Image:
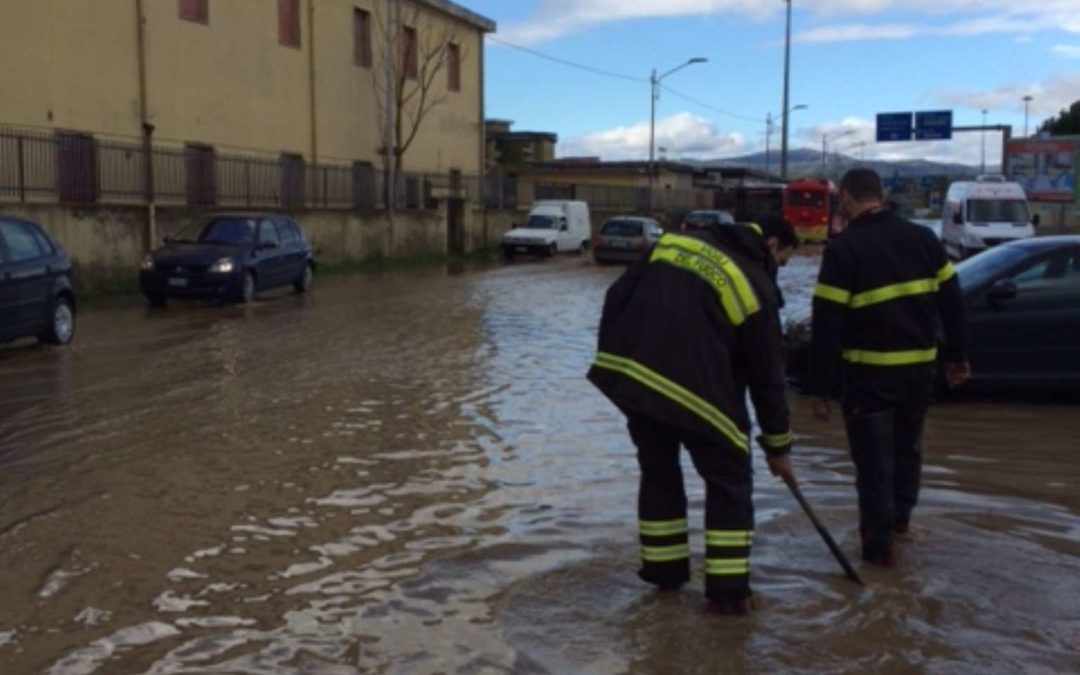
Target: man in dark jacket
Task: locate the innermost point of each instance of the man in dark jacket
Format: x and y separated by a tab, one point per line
684	332
885	290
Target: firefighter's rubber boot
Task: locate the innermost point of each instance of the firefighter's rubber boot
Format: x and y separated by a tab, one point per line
732	605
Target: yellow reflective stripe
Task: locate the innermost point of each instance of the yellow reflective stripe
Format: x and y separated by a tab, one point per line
665	553
756	228
707	272
729	538
662	528
727	566
837	295
778	440
894	291
945	273
744	291
890	358
676	393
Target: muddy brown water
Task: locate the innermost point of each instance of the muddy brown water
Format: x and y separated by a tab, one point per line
408	473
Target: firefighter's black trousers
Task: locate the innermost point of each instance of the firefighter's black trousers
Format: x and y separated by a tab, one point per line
884	408
663	525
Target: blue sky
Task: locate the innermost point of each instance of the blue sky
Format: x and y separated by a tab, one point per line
850	60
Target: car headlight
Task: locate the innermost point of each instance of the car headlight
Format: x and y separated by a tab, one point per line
147	263
223	266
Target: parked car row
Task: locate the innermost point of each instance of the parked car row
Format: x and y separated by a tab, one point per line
224	257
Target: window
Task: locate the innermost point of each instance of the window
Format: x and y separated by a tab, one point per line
268	234
21	242
997	211
410	52
453	67
806	199
229	230
201	187
77	168
289	22
287	230
43	240
1051	277
195	10
362	38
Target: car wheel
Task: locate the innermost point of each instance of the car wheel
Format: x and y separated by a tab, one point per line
553	250
61	328
584	248
156	300
247	288
307	278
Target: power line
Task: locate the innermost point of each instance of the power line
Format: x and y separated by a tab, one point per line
707	106
571	64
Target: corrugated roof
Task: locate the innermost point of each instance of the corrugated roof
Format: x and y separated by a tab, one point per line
453	9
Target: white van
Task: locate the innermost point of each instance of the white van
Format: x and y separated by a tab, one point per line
552	226
983	213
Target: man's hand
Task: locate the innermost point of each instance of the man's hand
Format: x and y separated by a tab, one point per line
957	374
822	409
780	466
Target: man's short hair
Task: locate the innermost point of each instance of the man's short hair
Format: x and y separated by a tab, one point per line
775	226
863	185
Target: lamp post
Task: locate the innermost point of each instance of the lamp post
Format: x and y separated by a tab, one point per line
982	164
825	138
787	83
768	132
1027	102
654	85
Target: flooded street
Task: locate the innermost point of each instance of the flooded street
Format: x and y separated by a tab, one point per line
409	473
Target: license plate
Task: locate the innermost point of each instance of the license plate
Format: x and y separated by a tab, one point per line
177	283
621	243
521	249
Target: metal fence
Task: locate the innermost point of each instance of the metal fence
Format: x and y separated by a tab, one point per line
80	169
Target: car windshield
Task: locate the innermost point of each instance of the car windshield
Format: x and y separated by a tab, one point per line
541	223
622	228
230	231
703	219
806	199
997	211
976	271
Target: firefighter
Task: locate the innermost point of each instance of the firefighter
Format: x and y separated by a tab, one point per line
883	291
684	332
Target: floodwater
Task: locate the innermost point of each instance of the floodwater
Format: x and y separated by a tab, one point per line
408	473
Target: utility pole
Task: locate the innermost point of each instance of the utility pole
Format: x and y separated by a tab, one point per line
653	82
787	81
768	137
1027	101
390	136
982	170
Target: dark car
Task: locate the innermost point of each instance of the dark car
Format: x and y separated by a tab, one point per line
1022	301
625	238
36	296
229	257
704	218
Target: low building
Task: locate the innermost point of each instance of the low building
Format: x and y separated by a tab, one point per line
507	149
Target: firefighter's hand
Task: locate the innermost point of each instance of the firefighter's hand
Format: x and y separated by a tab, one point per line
780	466
822	409
957	374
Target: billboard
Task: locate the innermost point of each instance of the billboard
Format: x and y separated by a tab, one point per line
1047	168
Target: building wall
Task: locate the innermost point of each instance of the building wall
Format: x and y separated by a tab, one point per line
73	64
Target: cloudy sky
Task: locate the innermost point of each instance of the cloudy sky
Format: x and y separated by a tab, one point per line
851	59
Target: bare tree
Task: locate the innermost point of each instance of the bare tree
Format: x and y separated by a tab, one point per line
419	45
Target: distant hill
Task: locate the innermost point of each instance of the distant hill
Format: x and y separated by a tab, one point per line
807	162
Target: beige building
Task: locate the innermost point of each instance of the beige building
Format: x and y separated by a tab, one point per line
508	149
296	81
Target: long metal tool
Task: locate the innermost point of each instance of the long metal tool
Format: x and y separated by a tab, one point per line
837	553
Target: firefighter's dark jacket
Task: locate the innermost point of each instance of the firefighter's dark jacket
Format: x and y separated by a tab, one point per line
885	291
688	328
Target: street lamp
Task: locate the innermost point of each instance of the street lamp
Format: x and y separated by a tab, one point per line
983	163
654	83
787	82
1027	101
825	138
768	132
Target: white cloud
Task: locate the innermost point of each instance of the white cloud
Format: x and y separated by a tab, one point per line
683	136
1048	97
1066	51
556	18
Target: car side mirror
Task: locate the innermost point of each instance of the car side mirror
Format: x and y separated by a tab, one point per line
1035	220
1002	291
958	218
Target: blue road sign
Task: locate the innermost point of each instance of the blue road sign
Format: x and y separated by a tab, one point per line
893	127
933	125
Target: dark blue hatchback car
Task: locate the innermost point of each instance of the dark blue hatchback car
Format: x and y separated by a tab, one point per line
36	291
229	257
